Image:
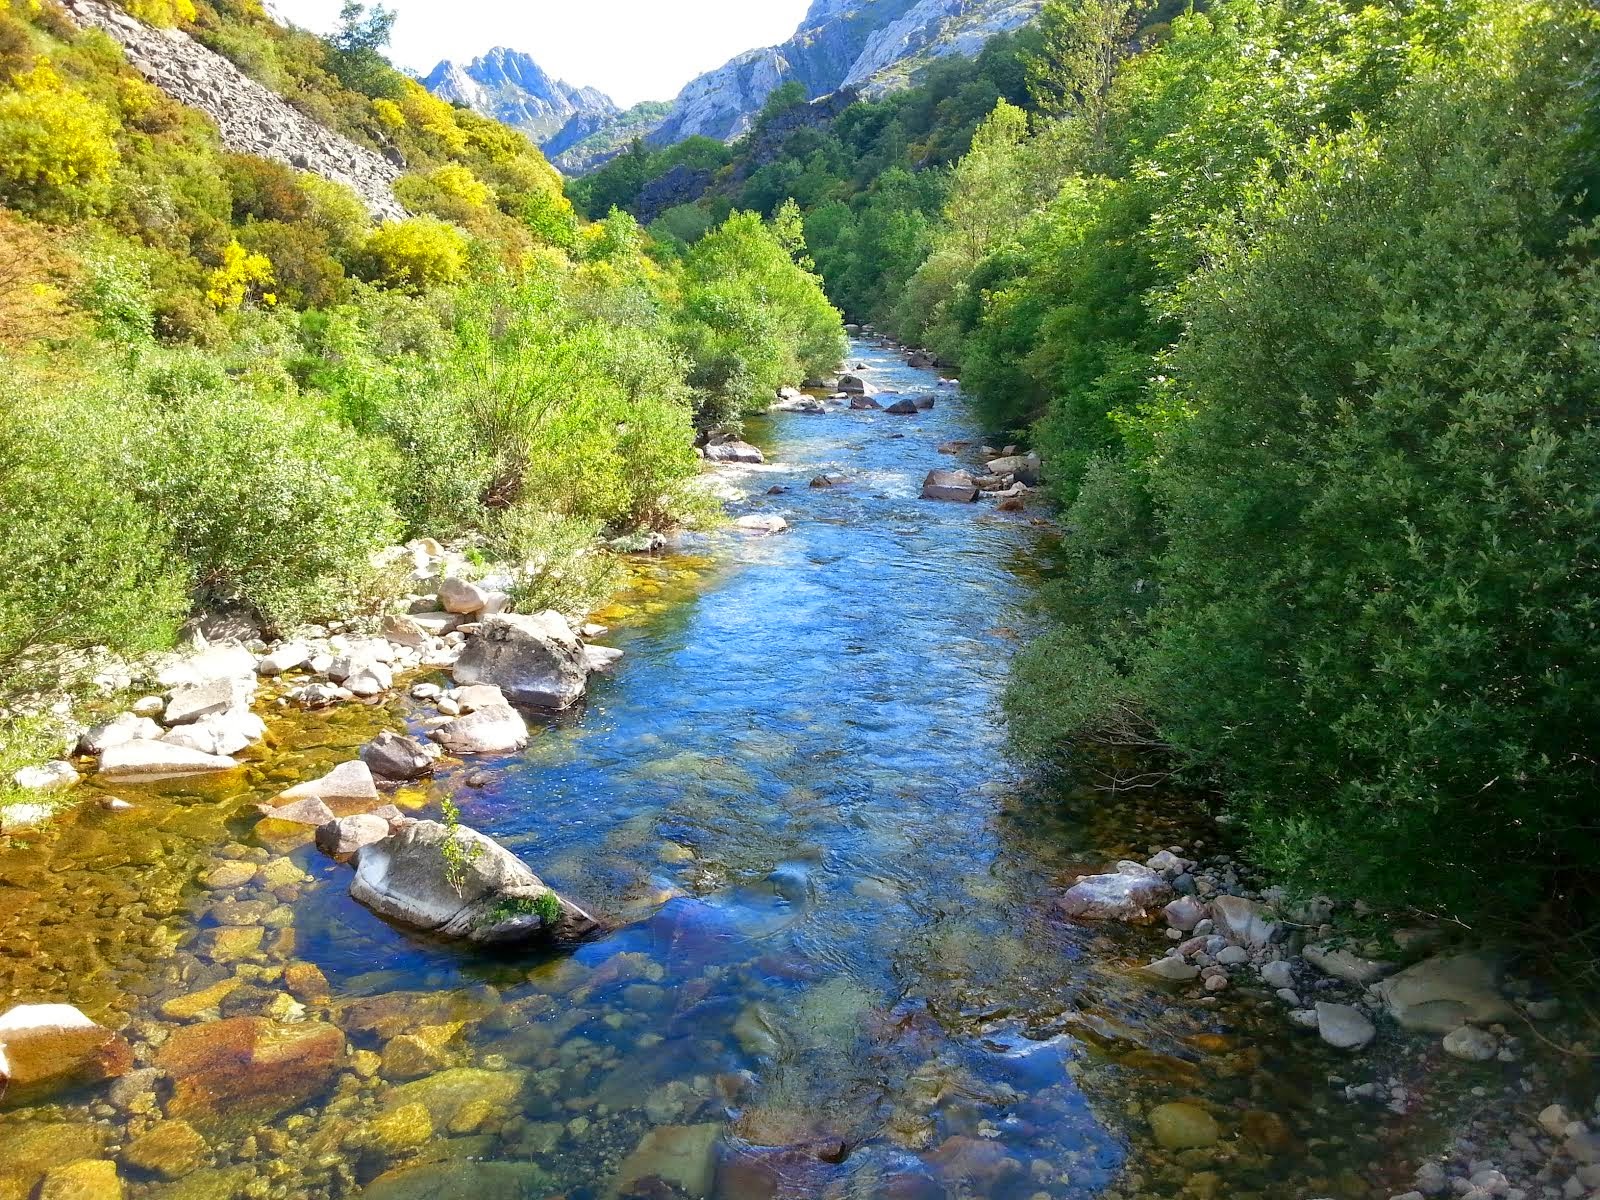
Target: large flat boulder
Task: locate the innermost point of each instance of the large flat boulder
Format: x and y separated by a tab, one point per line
45	1048
347	789
1441	994
475	890
958	486
242	1070
1130	893
733	452
535	660
496	729
146	761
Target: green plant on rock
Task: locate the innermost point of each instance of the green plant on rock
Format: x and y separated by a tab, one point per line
458	853
546	906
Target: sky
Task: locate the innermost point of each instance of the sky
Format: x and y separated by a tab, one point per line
630	49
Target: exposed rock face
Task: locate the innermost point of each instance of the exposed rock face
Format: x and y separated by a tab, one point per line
251	119
535	660
510	87
404	878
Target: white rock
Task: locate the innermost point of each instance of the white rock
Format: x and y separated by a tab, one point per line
1233	956
371	679
758	524
149	706
290	656
1174	970
1134	894
128	727
1438	995
473	697
534	659
1278	974
1244	921
602	659
1342	964
1344	1027
1554	1120
223	661
1471	1044
51	777
347	788
498	729
196	701
224	734
459	596
143	760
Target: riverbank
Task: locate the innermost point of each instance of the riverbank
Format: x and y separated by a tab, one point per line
836	960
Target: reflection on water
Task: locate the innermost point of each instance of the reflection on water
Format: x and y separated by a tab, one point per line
837	971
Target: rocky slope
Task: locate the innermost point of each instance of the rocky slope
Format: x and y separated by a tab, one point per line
510	86
251	119
870	45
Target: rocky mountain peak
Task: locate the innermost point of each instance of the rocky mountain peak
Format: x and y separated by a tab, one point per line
510	86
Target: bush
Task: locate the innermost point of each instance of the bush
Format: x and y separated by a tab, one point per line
415	255
560	565
56	147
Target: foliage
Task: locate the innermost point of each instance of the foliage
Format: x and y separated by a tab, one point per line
458	853
558	564
162	13
416	254
241	274
56	147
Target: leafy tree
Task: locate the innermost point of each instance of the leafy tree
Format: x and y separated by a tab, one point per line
356	48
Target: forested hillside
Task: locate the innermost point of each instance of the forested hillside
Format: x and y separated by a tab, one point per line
225	385
1298	301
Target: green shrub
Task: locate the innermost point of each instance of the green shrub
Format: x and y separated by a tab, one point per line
415	255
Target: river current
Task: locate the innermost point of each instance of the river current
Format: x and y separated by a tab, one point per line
838	968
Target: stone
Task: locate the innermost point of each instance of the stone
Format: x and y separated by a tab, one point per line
237	1072
1184	913
46	1048
148	706
194	1005
444	1095
397	1131
198	700
51	777
1277	974
1471	1044
1232	956
289	656
733	452
396	757
759	524
1181	1126
306	982
681	1155
438	624
1132	893
403	878
222	734
209	665
343	837
128	727
90	1179
311	811
1244	921
1344	1027
498	729
144	761
171	1150
468	1180
854	385
535	660
369	679
347	789
902	408
232	944
229	874
956	486
925	402
1440	994
864	404
478	695
1554	1120
602	659
403	630
1174	970
458	596
1342	964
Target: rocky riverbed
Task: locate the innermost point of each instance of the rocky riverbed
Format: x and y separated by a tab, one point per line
841	946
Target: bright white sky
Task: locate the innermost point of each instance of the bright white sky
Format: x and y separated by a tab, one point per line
630	49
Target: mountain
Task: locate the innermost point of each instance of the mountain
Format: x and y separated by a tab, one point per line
509	86
867	45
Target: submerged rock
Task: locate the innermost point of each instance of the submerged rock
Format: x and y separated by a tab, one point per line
49	1047
535	660
759	523
1181	1126
243	1069
681	1155
1344	1027
495	898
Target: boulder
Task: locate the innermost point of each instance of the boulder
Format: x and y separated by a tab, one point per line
459	596
682	1156
924	402
1173	970
209	665
864	404
45	1048
438	624
760	524
1185	913
224	734
854	385
1471	1044
1438	995
1244	921
920	359
51	777
1025	467
535	660
134	762
1342	964
394	756
601	659
347	789
171	1150
903	408
495	900
129	727
310	811
195	701
1344	1027
498	729
957	486
478	695
290	656
1181	1126
369	679
1131	893
733	452
343	837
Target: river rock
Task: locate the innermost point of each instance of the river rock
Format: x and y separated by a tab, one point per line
498	729
473	1180
404	878
1173	970
223	734
958	486
51	777
369	679
760	524
535	660
47	1047
1185	913
450	1095
171	1150
1342	964
347	789
140	761
1131	893
128	727
1244	921
289	656
478	695
198	700
864	404
89	1179
458	596
396	757
854	385
438	624
1181	1126
239	1071
343	837
903	408
925	402
220	662
1277	975
1438	995
1471	1044
601	659
680	1155
1344	1027
733	452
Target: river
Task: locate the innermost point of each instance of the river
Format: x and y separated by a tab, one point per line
838	968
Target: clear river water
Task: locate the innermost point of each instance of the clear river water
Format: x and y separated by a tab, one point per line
837	969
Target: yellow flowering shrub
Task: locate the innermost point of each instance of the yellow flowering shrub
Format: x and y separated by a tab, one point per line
432	115
459	183
55	142
389	114
240	275
161	13
417	254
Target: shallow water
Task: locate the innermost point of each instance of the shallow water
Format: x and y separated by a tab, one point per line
837	968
